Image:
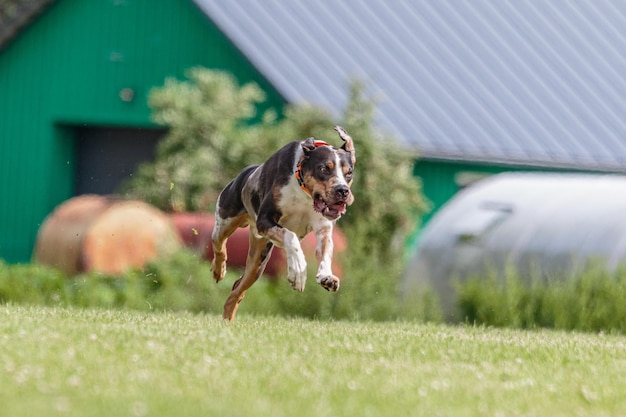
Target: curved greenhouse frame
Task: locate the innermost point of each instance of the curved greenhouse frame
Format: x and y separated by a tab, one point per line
537	223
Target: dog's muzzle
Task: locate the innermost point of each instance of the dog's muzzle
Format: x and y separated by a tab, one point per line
336	206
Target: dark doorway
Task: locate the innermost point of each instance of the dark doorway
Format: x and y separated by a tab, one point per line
107	156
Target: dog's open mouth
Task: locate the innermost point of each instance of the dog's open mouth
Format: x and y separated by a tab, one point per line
330	211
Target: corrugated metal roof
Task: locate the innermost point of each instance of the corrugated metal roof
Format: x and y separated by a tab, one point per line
522	82
15	14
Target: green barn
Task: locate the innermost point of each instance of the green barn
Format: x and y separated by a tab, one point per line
74	77
475	88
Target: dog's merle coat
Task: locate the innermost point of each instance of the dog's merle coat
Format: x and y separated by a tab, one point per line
303	187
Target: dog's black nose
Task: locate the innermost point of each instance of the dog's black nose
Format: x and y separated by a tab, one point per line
342	191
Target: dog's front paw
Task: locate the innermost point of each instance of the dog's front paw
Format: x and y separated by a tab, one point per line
329	282
296	264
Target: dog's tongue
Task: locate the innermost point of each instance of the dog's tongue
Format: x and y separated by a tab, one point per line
339	207
329	210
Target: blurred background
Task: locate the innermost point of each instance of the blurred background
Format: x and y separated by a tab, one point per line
160	102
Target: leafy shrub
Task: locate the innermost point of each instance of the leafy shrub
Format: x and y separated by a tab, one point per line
389	199
210	140
205	145
180	282
368	292
34	284
595	300
184	282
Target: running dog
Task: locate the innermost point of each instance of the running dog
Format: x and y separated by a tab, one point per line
303	187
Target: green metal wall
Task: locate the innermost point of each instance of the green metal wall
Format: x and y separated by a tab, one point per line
67	70
439	179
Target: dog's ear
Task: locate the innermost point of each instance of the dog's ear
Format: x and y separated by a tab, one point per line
308	146
348	145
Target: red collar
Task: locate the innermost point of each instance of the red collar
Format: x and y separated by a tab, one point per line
299	175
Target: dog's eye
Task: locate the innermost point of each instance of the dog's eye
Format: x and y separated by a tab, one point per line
324	170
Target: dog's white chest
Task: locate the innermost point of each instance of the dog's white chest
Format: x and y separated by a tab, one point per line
297	210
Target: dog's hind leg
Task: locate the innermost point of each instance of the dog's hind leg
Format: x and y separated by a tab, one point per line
258	255
229	215
224	227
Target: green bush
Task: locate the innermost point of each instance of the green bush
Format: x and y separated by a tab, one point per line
180	282
205	144
368	292
594	300
32	284
211	139
184	282
389	200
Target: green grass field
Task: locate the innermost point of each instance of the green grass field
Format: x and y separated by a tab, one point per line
73	362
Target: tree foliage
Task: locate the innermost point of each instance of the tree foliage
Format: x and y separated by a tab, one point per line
212	136
205	145
389	198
